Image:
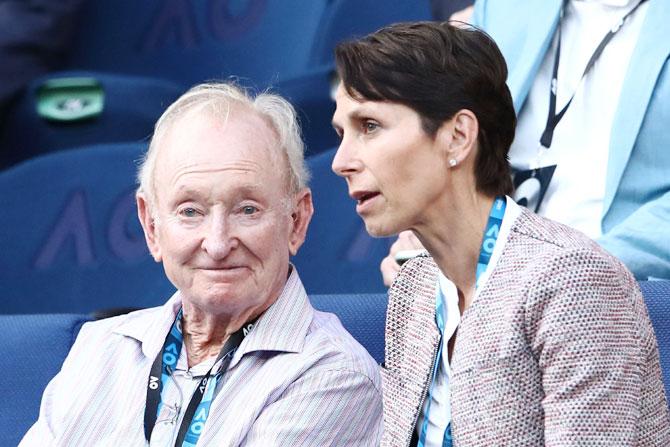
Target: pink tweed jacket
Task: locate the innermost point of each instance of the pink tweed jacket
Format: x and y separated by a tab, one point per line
556	350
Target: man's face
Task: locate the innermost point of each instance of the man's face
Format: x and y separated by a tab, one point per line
225	221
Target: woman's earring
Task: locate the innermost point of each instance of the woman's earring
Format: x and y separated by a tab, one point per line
453	162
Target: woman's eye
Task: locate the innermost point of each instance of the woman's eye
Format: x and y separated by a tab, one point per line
370	126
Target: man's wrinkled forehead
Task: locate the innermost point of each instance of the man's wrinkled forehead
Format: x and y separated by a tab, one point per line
240	129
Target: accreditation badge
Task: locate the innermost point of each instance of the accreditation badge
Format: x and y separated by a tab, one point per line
530	186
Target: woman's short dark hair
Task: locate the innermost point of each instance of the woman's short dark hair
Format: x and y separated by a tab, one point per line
437	69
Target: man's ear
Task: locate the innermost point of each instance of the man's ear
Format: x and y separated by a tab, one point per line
301	215
458	137
148	225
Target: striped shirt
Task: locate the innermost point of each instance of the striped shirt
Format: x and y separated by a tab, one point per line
298	379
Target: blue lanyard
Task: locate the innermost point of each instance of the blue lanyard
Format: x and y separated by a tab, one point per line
488	244
198	408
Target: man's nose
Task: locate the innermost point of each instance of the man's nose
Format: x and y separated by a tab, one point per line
219	240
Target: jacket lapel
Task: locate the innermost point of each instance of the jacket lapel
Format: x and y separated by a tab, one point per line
543	18
646	63
412	338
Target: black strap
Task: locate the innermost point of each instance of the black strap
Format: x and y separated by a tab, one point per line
552	118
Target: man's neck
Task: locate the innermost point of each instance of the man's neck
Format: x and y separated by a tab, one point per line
205	333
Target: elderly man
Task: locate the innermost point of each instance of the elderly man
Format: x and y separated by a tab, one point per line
237	356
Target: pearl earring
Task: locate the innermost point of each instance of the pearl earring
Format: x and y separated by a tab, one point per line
453	162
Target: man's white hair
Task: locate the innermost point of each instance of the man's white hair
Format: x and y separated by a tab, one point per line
217	98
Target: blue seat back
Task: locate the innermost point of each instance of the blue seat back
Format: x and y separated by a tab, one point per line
657	297
72	241
195	40
310	89
33	350
364	316
338	256
346	19
310	95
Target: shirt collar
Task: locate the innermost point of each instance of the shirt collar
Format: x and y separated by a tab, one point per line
282	327
150	326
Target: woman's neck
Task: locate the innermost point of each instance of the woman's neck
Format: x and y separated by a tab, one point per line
453	237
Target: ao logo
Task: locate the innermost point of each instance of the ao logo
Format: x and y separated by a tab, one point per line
190	23
198	424
170	355
203	385
247	329
73	228
153	382
490	240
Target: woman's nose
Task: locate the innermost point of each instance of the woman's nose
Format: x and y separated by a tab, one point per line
344	162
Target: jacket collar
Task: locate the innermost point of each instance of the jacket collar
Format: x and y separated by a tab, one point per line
282	327
543	20
646	64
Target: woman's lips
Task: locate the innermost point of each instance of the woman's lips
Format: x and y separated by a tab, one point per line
364	200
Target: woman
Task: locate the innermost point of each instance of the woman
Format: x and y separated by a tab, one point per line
515	330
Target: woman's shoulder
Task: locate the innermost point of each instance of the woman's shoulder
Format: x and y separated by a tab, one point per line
539	245
562	271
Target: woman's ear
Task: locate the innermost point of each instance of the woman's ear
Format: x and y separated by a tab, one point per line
458	137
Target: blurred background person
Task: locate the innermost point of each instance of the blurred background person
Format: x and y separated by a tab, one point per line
35	37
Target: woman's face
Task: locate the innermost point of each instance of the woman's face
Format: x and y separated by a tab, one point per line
394	170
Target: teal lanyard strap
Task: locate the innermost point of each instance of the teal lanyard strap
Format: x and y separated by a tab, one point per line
489	240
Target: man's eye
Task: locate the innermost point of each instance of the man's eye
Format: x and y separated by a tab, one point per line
189	212
248	209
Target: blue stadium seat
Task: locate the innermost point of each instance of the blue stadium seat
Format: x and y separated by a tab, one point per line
657	297
345	19
193	41
364	316
310	94
130	107
338	256
70	240
33	350
310	89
